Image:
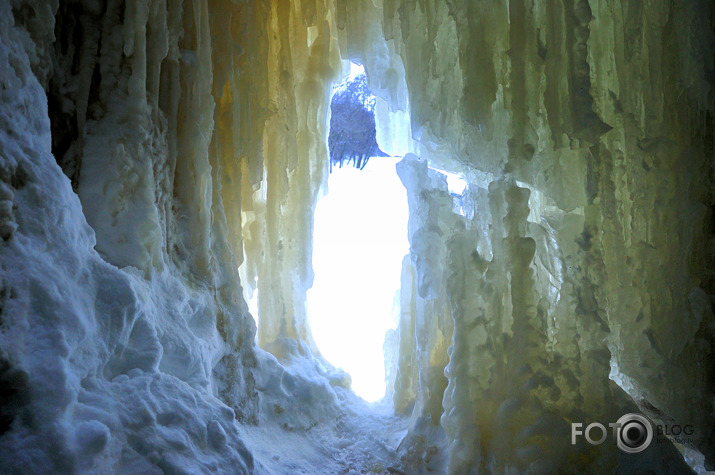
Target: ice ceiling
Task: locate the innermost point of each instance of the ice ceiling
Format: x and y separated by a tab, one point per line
148	148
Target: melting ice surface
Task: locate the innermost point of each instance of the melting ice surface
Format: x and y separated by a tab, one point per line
360	238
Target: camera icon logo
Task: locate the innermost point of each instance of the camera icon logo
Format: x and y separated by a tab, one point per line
634	433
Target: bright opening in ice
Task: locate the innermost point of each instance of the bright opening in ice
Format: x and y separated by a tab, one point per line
360	238
356	70
455	183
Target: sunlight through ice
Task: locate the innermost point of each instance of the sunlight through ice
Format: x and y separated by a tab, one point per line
360	238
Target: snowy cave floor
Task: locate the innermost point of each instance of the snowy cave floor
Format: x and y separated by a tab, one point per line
310	423
363	438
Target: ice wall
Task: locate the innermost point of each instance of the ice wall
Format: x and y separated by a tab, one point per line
225	107
303	60
186	131
104	368
492	367
590	259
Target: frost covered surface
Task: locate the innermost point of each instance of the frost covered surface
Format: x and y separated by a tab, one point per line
126	344
109	369
592	255
159	162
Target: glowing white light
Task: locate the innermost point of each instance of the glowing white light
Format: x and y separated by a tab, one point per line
253	306
356	70
360	237
455	183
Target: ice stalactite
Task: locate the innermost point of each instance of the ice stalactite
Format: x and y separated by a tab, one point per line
603	111
226	126
126	338
421	381
303	60
492	366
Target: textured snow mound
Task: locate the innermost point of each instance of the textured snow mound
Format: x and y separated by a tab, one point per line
107	369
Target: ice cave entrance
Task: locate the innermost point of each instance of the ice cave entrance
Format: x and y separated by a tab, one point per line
359	240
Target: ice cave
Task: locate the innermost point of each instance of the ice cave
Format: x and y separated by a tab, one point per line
161	169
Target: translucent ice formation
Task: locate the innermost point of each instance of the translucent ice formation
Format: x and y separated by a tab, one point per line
160	161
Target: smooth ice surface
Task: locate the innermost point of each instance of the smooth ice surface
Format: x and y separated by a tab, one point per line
359	241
